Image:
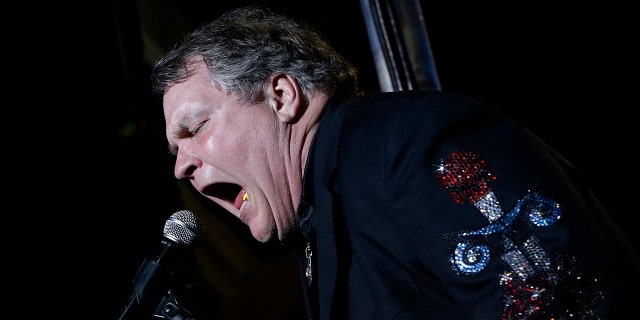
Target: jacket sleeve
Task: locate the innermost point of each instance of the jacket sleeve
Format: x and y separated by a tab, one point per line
487	221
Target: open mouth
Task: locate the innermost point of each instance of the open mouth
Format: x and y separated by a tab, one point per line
229	192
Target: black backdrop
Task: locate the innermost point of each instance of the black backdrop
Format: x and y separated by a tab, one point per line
565	71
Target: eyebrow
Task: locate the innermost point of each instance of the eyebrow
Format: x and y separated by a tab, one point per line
181	128
173	149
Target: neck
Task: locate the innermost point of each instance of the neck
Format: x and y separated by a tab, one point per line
302	136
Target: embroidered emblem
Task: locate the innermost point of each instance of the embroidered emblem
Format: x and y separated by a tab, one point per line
466	176
562	293
535	285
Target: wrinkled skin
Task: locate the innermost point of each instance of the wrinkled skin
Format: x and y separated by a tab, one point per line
225	148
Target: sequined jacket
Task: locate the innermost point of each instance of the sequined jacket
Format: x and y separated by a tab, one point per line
430	205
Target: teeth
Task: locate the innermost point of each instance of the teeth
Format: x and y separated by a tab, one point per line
245	197
241	199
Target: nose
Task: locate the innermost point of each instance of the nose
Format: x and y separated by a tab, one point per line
186	165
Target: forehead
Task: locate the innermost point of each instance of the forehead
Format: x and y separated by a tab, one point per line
189	96
189	88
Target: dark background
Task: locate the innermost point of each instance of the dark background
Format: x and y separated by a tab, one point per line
100	165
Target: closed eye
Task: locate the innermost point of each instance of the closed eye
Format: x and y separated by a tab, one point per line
197	128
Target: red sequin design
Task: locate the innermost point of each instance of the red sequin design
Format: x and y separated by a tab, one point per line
558	293
563	294
465	175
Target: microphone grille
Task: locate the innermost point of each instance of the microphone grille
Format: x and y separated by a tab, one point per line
183	227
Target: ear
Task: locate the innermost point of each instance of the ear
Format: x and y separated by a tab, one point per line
285	98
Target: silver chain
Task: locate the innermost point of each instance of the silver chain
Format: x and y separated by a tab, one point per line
307	273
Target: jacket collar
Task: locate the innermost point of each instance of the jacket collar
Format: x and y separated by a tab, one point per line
315	213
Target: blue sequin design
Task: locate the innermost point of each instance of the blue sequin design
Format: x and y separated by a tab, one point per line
469	256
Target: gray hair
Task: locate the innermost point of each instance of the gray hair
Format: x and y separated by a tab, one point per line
245	47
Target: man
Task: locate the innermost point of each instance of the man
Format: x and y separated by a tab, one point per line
405	205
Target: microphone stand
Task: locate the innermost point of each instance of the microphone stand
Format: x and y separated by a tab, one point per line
169	308
146	285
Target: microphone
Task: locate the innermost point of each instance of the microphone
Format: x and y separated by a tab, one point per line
151	285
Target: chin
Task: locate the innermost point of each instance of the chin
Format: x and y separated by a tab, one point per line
261	234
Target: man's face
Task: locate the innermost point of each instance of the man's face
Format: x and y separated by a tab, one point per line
234	154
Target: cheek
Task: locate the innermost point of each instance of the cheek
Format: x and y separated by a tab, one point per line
244	137
227	144
217	136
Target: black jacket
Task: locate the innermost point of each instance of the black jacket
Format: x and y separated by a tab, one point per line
430	205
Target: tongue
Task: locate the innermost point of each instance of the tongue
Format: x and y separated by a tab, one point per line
238	202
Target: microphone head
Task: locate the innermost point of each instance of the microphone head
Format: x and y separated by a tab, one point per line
183	227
